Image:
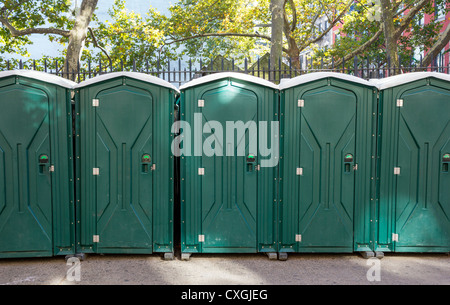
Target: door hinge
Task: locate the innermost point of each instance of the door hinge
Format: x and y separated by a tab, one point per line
399	103
298	238
396	170
95	103
299	171
394	237
96	171
301	103
201	171
96	239
201	103
51	168
201	238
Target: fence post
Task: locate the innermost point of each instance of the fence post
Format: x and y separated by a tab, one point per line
78	68
290	67
389	65
179	72
258	66
168	70
157	67
306	63
279	69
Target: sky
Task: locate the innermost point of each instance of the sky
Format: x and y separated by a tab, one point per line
42	46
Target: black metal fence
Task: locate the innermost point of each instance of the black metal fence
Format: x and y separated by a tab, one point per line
182	71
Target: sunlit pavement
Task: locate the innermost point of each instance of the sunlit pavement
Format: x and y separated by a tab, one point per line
221	269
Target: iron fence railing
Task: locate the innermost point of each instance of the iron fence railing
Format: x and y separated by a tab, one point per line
182	71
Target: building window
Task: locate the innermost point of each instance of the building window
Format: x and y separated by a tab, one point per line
439	10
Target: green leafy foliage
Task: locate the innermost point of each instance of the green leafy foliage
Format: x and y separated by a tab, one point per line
26	14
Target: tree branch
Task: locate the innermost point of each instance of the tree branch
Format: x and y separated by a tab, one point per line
16	33
294	13
94	40
220	35
409	17
441	42
361	48
330	27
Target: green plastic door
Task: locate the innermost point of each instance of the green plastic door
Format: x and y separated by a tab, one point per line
124	157
326	169
422	212
25	179
229	184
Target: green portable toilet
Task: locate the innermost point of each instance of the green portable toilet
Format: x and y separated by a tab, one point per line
328	126
414	157
36	165
228	197
125	165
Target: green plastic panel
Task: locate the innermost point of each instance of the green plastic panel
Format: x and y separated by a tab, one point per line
415	204
36	205
327	167
233	205
128	206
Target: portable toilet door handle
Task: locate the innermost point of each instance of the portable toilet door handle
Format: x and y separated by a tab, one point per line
445	162
251	163
43	162
145	164
348	161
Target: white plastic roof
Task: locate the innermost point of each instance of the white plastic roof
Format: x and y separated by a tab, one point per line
41	76
310	77
235	75
401	79
135	75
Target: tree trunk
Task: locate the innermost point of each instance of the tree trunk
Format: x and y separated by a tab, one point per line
294	55
389	34
77	38
440	44
276	48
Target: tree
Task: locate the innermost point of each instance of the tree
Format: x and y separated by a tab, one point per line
395	36
388	26
128	39
21	18
78	35
276	47
206	28
238	27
